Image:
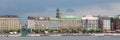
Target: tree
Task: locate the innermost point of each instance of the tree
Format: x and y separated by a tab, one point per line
18	30
83	30
11	30
60	30
91	30
42	30
75	30
35	30
64	30
67	30
98	30
51	30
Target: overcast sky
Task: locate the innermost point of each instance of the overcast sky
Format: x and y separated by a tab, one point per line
24	8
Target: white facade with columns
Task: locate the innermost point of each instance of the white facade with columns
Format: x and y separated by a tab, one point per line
89	22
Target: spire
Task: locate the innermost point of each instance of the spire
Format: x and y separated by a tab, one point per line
57	13
57	10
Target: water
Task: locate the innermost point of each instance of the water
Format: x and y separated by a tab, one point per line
63	38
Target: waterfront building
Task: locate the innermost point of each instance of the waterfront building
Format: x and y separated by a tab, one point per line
9	22
54	23
89	21
106	24
100	22
38	22
116	23
69	22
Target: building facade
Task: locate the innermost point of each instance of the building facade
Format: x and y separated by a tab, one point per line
54	23
116	23
89	22
38	22
100	22
106	24
69	22
9	22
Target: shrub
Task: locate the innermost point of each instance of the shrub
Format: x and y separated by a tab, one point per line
92	30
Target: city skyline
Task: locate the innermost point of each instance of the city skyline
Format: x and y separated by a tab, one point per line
25	8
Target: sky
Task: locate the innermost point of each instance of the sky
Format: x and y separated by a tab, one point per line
25	8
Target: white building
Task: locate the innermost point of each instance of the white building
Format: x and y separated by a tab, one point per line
89	22
106	24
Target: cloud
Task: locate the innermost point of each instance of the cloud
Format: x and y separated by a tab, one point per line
110	10
25	8
50	12
70	10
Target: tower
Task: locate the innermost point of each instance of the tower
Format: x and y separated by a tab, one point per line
57	13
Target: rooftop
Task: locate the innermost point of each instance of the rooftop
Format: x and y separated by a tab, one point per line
54	19
66	18
69	17
8	16
38	17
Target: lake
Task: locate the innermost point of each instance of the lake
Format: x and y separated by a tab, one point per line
63	38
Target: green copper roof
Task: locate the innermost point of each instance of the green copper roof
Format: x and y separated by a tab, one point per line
68	17
54	19
65	18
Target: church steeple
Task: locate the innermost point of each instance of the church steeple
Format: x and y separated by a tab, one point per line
57	13
57	10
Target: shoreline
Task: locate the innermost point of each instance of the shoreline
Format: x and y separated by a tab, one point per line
40	35
94	34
